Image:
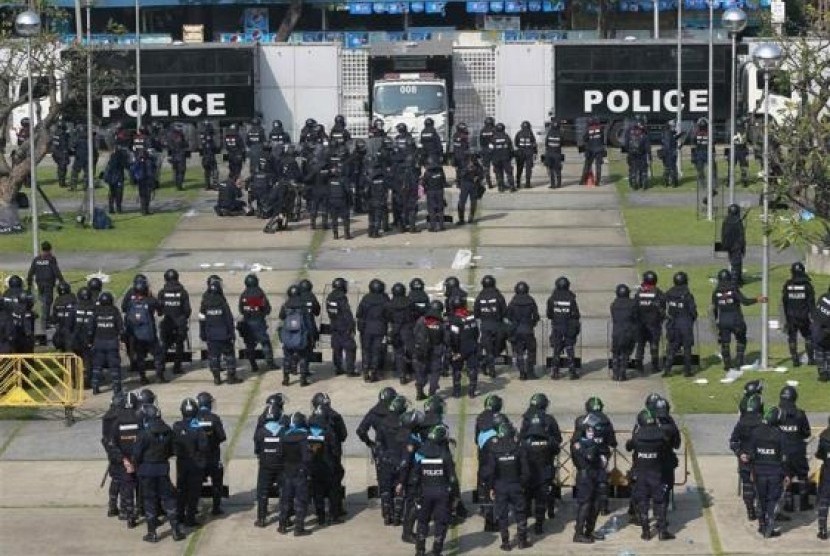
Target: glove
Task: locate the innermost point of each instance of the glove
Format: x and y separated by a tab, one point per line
371	444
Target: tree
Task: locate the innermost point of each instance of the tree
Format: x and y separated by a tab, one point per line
800	142
59	74
603	9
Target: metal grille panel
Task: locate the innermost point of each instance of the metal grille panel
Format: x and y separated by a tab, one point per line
474	86
354	80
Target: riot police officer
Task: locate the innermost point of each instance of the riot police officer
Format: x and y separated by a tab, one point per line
340	202
553	153
216	329
650	446
486	431
401	318
342	323
418	298
118	440
463	346
485	138
727	300
254	140
141	330
501	154
700	155
81	320
63	312
208	149
434	183
681	313
563	313
295	457
259	186
470	174
177	152
434	480
191	448
296	335
638	149
795	431
387	455
143	174
742	157
540	438
765	455
505	472
522	318
651	312
491	309
373	421
267	437
45	273
590	454
59	147
378	185
405	195
593	144
429	340
624	326
751	388
798	298
460	145
318	195
175	312
254	308
213	427
105	329
234	145
823	492
526	151
667	153
733	241
821	336
372	325
431	144
739	443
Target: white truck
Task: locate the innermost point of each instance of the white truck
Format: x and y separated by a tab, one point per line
411	98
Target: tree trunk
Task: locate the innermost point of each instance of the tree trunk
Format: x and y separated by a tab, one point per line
289	20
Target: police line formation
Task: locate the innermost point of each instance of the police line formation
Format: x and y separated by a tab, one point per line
429	338
383	176
300	461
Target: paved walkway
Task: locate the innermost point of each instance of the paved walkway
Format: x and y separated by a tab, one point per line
49	474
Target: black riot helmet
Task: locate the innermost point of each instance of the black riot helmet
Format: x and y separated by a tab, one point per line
360	146
205	400
724	276
118	400
320	399
189	408
797	270
339	120
147	397
214	278
753	387
429	122
754	404
623	291
84	294
500	127
506	430
680	279
16	282
398	405
340	284
521	288
412	419
255	121
94	284
171	275
436	308
461	126
651	400
298	420
105	299
386	395
398	290
733	210
594	403
215	286
305	286
416	284
772	417
434	404
293	291
275	400
488	281
494	403
539	401
526	125
650	277
489	121
251	281
276	124
562	283
64	288
378	124
645	418
377	286
451	283
401	127
438	434
310	122
788	394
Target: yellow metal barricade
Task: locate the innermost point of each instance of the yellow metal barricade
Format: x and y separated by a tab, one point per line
42	380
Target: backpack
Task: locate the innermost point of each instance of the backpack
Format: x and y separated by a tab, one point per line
140	321
101	220
295	331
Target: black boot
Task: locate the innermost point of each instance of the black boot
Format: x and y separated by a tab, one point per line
254	366
822	532
523	542
460	217
646	534
261	512
151	535
420	546
178	531
112	510
664	535
581	518
804	498
438	545
505	541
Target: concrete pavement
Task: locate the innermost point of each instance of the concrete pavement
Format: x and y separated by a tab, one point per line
49	474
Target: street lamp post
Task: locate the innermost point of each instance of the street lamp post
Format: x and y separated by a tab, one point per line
656	18
767	56
733	19
139	102
90	178
27	25
710	124
679	120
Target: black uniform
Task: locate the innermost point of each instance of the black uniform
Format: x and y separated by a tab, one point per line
700	156
296	359
152	451
590	455
638	149
625	324
485	137
733	241
211	424
295	456
823	492
105	329
795	431
767	456
651	312
798	299
267	437
45	273
177	149
229	200
460	147
59	147
377	186
726	305
340	202
216	329
318	202
175	311
821	336
254	140
526	150
470	175
434	480
668	155
63	312
119	439
522	317
506	472
540	439
501	154
429	334
463	344
373	326
191	448
434	183
563	313
401	317
594	144
681	314
342	323
142	335
650	446
554	156
143	174
81	345
491	310
235	147
208	149
739	443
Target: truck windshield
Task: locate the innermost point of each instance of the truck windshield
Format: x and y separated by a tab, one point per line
395	98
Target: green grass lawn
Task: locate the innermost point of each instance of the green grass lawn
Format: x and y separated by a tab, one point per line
714	397
688	181
656	226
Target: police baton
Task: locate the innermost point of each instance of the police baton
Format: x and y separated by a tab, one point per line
104	478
